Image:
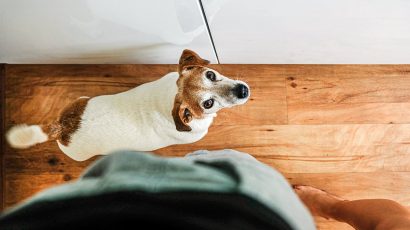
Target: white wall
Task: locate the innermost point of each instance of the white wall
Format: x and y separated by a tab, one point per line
101	31
244	31
313	31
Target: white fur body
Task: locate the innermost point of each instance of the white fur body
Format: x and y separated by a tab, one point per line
138	119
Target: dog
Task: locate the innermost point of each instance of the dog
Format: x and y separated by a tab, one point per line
175	109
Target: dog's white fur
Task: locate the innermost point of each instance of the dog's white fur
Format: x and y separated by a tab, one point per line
136	119
139	118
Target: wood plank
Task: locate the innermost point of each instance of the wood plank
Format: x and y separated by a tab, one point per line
338	89
289	148
314	148
267	104
364	96
363	113
2	131
44	158
22	185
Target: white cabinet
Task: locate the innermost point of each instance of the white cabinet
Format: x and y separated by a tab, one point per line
243	31
101	31
315	31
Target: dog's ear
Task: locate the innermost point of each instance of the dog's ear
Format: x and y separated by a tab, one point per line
182	115
189	57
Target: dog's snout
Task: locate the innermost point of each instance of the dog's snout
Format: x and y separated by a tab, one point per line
241	91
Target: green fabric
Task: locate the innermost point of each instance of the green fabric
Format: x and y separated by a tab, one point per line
198	171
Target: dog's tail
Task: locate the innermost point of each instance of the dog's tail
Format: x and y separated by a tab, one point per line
24	136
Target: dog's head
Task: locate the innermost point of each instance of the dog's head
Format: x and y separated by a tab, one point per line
203	91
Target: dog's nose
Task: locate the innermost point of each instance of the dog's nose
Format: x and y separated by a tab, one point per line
241	91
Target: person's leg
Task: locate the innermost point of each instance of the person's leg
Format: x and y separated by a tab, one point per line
375	214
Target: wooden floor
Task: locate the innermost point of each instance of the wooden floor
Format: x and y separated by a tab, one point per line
342	128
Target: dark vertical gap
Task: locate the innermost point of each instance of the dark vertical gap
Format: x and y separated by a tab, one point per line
2	132
209	30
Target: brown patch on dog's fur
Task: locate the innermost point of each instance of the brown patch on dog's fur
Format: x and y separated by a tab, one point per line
189	57
189	83
52	130
68	122
186	105
190	87
181	115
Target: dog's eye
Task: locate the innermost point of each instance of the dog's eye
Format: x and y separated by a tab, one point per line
211	75
208	103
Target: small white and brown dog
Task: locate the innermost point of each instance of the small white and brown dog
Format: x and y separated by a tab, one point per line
175	109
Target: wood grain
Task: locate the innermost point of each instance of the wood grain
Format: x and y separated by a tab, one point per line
2	128
355	113
289	148
355	97
341	128
29	184
267	91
